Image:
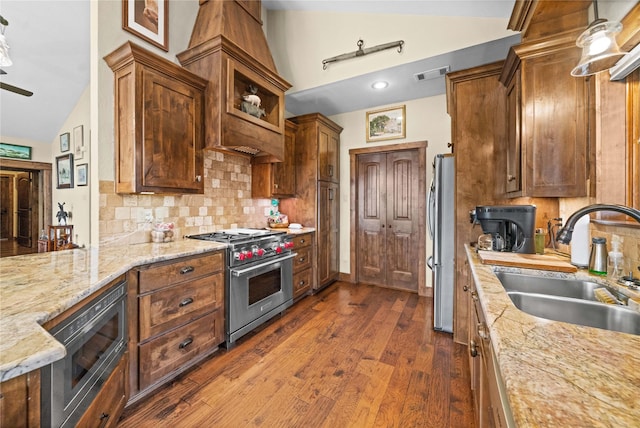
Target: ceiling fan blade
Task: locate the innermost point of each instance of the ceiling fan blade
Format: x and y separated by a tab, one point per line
15	89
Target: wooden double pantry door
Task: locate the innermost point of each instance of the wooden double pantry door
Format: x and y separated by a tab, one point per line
390	225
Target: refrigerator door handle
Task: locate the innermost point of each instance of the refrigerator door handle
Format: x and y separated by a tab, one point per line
430	262
431	207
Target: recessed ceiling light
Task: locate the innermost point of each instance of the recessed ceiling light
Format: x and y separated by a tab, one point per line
379	84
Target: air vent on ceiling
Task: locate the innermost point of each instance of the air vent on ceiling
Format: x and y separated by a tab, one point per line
431	74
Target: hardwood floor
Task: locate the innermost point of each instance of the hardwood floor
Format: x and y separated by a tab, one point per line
350	356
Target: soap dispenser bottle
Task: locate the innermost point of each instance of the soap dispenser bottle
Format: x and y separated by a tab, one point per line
615	266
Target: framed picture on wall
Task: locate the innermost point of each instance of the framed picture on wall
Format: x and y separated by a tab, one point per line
78	142
15	151
386	124
82	173
147	19
64	171
64	142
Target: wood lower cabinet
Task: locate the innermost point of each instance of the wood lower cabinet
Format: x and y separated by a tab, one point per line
317	191
302	265
158	123
278	179
176	311
20	401
109	404
489	402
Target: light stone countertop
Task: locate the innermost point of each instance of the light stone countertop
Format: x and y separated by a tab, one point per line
558	374
35	288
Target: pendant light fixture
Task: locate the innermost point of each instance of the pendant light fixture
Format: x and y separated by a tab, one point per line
600	49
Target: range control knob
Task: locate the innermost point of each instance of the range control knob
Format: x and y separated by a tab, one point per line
288	245
278	249
258	251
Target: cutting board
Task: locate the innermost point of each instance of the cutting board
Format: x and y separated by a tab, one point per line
528	261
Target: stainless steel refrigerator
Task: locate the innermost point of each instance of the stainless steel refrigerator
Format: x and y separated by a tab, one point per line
441	215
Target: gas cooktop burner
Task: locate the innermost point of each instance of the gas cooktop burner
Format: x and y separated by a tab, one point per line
232	235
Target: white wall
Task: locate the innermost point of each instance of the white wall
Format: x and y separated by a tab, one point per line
76	199
426	119
300	40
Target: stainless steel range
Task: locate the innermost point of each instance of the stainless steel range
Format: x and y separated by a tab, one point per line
259	282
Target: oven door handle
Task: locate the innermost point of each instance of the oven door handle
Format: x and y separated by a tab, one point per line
240	272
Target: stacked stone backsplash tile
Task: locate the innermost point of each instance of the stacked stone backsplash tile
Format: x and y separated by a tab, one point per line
226	203
630	246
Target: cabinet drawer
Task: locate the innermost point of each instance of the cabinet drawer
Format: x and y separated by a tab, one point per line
166	353
300	241
302	282
302	260
159	275
106	408
173	306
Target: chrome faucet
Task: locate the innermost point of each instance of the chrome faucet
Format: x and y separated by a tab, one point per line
564	234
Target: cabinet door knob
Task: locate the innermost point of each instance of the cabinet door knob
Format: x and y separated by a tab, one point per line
473	349
511	177
198	178
465	288
330	170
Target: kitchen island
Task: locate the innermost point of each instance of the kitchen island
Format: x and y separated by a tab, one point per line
556	374
36	288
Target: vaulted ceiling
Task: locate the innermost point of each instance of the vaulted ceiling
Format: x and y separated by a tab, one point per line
49	46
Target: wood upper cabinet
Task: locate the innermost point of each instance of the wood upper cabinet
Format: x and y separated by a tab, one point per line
547	129
276	179
158	123
328	155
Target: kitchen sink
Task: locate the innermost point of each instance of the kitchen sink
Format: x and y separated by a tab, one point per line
574	288
567	300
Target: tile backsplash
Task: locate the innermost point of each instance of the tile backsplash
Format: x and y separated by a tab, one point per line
630	245
226	203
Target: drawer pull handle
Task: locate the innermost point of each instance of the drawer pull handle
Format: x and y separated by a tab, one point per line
185	302
301	241
187	269
301	259
188	341
301	283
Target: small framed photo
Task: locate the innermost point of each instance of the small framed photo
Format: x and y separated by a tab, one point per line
78	142
64	171
386	124
14	151
147	19
81	174
64	142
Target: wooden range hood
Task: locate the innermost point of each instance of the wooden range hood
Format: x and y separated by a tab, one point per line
230	50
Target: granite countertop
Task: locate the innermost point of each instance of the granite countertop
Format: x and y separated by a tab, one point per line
35	288
558	374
